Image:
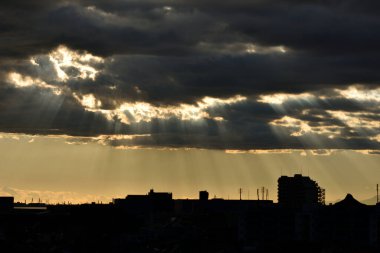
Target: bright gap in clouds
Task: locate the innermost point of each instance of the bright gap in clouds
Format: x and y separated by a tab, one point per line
304	106
240	48
280	98
353	92
20	81
141	111
63	58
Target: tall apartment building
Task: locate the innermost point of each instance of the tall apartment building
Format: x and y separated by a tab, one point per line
298	191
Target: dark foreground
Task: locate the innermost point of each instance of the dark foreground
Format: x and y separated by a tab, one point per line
192	226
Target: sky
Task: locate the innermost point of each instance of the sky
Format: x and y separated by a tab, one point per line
100	98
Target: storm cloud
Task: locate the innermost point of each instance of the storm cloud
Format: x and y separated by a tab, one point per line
200	74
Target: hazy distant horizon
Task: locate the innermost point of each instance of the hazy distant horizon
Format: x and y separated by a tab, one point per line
55	169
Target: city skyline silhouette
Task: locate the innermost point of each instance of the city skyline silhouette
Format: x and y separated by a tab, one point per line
300	221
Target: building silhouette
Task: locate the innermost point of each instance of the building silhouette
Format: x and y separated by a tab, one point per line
298	191
203	195
155	222
6	203
153	201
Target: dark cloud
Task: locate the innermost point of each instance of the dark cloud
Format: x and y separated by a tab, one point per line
36	111
246	124
148	27
170	53
163	78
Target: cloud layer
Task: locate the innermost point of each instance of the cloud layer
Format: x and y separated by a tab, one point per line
201	74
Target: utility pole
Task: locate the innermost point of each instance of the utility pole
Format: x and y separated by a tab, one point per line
377	193
240	192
